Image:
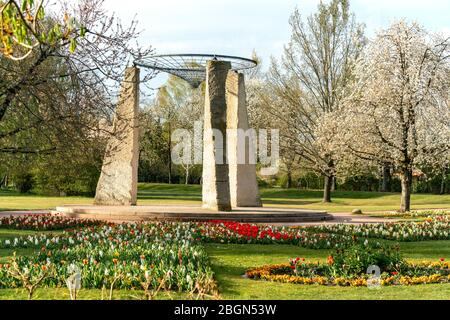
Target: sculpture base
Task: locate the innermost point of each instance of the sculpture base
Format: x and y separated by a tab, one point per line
192	213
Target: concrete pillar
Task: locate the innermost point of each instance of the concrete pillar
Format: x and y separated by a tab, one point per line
242	142
216	187
118	180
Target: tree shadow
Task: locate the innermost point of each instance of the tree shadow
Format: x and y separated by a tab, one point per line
290	202
318	194
168	196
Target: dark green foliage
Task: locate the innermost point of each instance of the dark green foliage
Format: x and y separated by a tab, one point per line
23	182
73	173
356	259
361	183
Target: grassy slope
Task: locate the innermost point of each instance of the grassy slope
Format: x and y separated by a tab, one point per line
231	261
180	194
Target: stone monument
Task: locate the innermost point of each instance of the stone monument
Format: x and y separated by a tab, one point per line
216	184
229	172
229	175
117	185
244	190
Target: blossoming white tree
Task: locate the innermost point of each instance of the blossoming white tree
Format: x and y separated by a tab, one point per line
397	113
311	81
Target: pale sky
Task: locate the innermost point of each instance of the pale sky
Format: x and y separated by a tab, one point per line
236	27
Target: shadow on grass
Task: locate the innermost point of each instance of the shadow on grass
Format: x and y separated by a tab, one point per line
289	202
318	194
168	196
170	187
9	193
225	278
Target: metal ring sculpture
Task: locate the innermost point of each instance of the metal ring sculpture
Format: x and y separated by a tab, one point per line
191	67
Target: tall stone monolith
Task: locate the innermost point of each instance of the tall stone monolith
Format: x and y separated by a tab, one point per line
241	146
117	185
216	187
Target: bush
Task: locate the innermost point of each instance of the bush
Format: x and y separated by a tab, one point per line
56	177
23	182
262	183
356	259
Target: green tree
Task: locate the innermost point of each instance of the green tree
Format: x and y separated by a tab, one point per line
55	102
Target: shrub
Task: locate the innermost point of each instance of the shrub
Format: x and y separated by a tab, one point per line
23	182
356	259
265	183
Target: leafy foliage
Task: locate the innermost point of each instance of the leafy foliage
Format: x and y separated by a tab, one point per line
23	27
356	259
23	181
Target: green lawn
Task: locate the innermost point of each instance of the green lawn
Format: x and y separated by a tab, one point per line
63	294
180	194
230	262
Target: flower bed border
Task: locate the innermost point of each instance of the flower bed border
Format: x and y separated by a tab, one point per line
266	273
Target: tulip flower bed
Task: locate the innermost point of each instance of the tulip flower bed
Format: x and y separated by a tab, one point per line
243	233
348	268
44	222
416	214
433	228
209	232
282	273
126	255
170	256
113	234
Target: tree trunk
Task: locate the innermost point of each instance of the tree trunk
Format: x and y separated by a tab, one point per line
170	153
289	179
187	175
443	181
327	189
406	190
386	182
334	184
3	183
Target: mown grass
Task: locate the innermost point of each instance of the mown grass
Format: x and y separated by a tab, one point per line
231	261
97	294
164	194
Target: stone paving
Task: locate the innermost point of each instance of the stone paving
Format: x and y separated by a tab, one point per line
192	213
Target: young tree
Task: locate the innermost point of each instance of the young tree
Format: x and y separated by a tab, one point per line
312	79
190	114
60	71
179	106
55	86
154	150
397	114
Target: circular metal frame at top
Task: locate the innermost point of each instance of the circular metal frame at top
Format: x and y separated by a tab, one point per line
191	67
